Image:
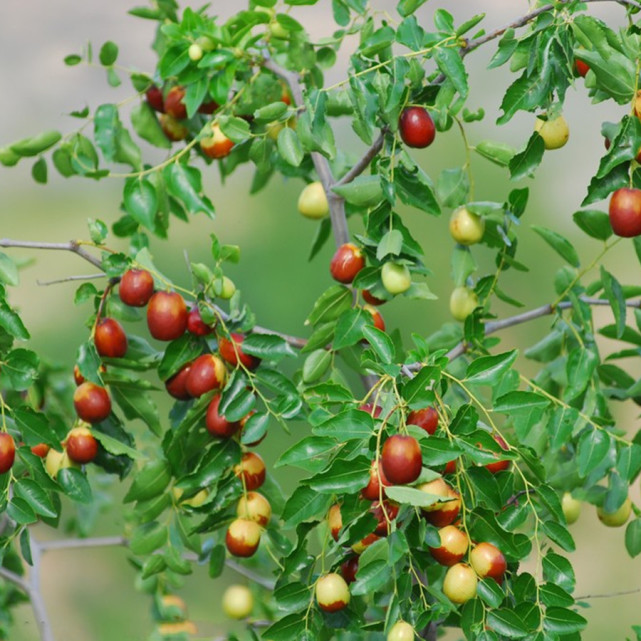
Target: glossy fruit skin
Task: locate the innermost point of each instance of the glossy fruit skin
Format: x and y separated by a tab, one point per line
402	459
453	547
232	356
377	317
488	561
581	67
217	145
195	52
372	491
208	107
312	202
380	511
425	418
92	402
167	316
136	287
416	127
335	521
332	593
255	507
206	373
218	425
7	452
238	602
173	128
176	386
41	450
374	412
571	508
81	445
196	325
460	583
625	212
243	537
555	132
463	301
349	569
174	105
396	278
401	631
252	469
616	518
445	512
502	464
347	261
368	297
363	544
110	338
466	228
155	98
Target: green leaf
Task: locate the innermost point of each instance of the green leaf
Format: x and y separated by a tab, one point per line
305	504
36	145
75	485
507	623
363	191
289	147
450	63
347	425
342	476
592	449
496	152
21	367
453	187
141	201
21	512
490	592
316	364
412	496
408	7
581	365
561	245
39	171
563	621
525	162
148	537
108	54
558	570
390	244
310	454
633	537
614	293
349	328
148	482
146	125
8	270
31	492
137	404
488	370
11	322
185	184
559	535
380	342
177	354
267	346
594	223
236	129
414	188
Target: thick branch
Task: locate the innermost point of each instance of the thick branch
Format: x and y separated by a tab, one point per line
72	246
18	581
321	164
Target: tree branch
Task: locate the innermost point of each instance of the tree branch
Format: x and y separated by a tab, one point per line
364	162
66	279
72	246
17	580
321	164
68	544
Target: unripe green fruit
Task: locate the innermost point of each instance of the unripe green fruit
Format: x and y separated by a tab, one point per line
571	508
401	631
312	202
195	52
555	132
396	278
238	602
228	288
616	518
466	228
463	302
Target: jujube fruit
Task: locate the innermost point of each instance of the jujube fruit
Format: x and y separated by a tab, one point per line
416	127
110	338
216	423
81	445
235	354
347	261
167	316
402	459
206	373
332	593
7	452
136	287
92	402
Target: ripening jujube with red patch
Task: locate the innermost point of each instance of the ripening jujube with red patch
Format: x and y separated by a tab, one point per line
251	470
174	105
347	261
136	287
335	521
231	349
176	385
377	317
196	325
426	418
255	507
110	338
488	561
402	459
92	402
502	464
332	593
206	373
81	446
41	450
7	452
375	488
453	547
166	316
243	537
349	568
446	510
384	513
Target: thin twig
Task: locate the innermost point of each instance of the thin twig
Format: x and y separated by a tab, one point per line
66	279
364	162
97	542
607	596
18	581
35	594
72	246
250	574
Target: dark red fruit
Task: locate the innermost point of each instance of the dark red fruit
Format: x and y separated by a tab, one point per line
41	450
136	287
233	355
176	385
501	464
349	569
427	418
196	325
402	459
252	470
155	99
110	338
581	67
81	445
207	373
92	402
167	316
383	513
346	263
377	317
375	412
174	105
218	425
208	107
416	127
625	212
7	452
372	491
243	537
79	378
368	297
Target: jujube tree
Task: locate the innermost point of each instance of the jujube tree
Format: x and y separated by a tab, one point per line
434	467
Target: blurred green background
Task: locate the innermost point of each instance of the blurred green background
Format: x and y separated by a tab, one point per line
90	594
